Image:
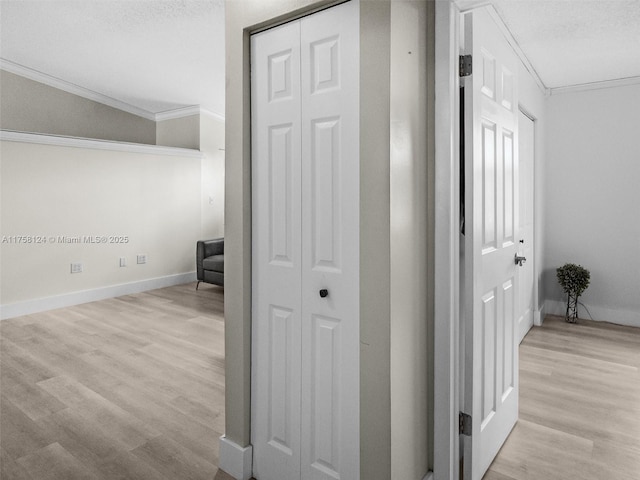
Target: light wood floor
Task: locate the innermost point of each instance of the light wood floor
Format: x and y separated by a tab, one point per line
579	405
125	388
133	388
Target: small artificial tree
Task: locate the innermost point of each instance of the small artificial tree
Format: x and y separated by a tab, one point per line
574	280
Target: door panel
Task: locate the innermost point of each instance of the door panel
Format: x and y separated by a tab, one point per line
326	236
325	392
276	252
490	276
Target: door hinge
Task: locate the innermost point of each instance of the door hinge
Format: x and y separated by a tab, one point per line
465	65
464	424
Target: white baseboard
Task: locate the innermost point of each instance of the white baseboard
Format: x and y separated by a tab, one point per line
619	317
538	316
236	460
76	298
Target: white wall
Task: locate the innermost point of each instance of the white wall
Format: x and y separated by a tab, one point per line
206	133
592	193
54	191
212	173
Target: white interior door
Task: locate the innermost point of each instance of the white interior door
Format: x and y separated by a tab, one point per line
305	161
491	341
526	133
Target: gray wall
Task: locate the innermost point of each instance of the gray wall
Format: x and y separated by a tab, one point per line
411	256
181	132
29	106
592	195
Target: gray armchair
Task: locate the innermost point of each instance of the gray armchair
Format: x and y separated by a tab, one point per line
210	261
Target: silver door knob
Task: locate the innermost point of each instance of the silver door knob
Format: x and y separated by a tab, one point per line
520	260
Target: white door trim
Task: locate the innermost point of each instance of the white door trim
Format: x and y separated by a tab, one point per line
536	125
447	245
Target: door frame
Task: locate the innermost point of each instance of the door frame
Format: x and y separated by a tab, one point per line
446	448
536	125
447	328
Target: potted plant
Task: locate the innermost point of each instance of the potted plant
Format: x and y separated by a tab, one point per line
574	280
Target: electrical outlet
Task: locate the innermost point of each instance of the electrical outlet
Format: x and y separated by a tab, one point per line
123	262
76	268
142	259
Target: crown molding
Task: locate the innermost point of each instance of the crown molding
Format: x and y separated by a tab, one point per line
72	88
516	48
469	5
187	112
582	87
95	144
177	113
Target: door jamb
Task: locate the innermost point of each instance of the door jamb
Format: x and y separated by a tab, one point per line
447	261
536	124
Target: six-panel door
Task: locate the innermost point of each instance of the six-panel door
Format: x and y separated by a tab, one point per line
491	366
305	186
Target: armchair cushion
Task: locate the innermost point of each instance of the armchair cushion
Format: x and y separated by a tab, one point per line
214	262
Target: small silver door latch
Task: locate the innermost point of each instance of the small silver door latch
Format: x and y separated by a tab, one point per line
520	260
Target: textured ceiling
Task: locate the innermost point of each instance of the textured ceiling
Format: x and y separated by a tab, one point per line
160	55
157	55
572	42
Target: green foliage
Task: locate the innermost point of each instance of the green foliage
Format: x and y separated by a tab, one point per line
573	278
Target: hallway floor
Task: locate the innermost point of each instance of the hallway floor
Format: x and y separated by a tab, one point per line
133	387
579	405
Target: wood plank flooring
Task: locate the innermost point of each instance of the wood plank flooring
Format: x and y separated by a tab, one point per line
579	405
125	388
133	388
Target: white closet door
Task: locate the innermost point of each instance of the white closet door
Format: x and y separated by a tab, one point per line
276	279
330	244
305	175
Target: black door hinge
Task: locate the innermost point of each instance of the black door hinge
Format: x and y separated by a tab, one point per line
464	424
465	66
